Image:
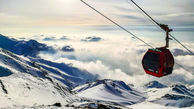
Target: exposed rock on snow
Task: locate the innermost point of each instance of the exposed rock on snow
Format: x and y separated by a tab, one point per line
3	87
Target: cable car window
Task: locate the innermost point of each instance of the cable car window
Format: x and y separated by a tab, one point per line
151	62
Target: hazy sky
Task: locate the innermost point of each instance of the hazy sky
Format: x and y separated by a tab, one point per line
72	16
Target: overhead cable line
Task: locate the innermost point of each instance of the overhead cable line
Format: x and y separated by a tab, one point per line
157	24
160	25
183	67
191	53
117	24
123	27
145	17
139	12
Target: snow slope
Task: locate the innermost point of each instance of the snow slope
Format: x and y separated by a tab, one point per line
116	92
177	96
154	95
28	85
24	89
64	73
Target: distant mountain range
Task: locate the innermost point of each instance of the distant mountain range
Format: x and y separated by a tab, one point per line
27	81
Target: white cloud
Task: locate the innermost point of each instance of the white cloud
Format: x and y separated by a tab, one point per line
120	59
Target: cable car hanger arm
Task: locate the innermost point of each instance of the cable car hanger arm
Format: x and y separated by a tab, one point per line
165	28
126	29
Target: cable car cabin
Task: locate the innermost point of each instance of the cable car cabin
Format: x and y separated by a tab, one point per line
158	62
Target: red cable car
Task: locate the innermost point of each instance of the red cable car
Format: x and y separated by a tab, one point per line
159	62
156	62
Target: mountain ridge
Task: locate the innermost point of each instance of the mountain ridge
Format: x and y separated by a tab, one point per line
27	81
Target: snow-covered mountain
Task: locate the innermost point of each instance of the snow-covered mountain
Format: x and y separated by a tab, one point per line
23	84
27	81
28	84
112	91
65	73
26	48
178	96
155	84
117	92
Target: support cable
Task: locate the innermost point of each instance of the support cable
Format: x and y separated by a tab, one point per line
126	29
191	53
117	24
145	17
156	24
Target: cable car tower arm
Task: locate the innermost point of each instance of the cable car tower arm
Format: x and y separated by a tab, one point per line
162	26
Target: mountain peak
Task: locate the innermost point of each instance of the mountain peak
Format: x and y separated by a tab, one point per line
155	84
26	48
182	89
112	91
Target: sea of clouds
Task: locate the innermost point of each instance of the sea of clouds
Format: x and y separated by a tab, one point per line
117	58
